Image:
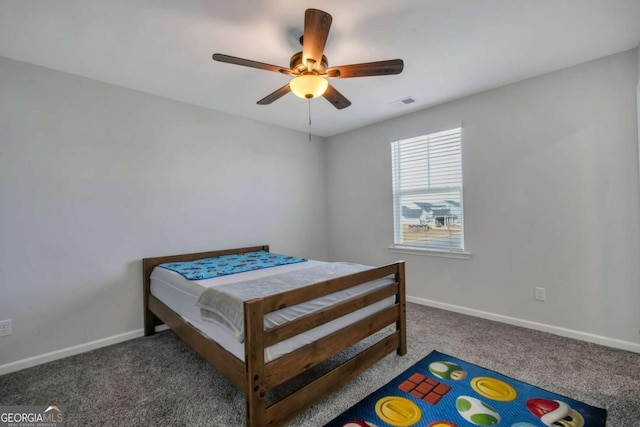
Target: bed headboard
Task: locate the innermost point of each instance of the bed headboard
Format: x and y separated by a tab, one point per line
148	264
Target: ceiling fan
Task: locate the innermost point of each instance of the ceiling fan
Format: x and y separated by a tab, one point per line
310	67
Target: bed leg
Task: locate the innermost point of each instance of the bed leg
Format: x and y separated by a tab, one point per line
401	324
150	321
254	363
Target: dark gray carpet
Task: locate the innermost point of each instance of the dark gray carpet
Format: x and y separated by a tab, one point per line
159	381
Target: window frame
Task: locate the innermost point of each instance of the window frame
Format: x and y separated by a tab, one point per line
458	253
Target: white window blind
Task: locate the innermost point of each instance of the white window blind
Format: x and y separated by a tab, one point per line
427	191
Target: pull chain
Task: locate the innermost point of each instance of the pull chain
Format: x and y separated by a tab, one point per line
309	119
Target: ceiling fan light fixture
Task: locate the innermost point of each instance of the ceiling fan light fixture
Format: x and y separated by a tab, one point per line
309	67
308	86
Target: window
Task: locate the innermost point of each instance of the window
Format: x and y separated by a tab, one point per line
427	191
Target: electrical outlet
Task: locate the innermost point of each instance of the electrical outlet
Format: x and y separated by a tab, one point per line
5	328
541	294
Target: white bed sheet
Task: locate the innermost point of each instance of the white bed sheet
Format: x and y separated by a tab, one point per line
181	296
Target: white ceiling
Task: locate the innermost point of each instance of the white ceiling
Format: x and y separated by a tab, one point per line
451	48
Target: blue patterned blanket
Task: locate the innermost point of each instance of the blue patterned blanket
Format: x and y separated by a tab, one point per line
229	264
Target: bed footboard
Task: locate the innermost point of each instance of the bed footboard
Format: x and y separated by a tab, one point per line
262	376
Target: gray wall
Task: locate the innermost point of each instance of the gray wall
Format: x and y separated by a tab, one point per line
551	198
638	97
94	177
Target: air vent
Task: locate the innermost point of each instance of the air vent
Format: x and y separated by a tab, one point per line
404	101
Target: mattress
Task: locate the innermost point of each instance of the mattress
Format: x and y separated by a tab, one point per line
181	296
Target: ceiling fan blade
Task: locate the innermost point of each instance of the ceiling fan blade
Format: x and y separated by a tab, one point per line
249	63
316	30
336	98
275	95
379	68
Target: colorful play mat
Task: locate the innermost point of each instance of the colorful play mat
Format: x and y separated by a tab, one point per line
442	391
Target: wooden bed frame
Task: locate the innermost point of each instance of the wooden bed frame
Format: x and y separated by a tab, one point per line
254	376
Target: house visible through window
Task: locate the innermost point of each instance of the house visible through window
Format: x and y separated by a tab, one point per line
427	191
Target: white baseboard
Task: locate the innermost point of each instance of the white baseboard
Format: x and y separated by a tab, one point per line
71	351
556	330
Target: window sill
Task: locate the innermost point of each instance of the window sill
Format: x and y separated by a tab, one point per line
429	252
